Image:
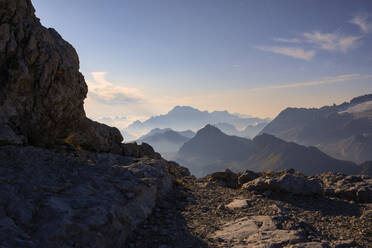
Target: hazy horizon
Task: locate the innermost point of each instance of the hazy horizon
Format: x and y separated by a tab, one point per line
142	58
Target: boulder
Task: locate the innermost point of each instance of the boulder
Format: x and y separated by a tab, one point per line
353	187
285	182
226	177
256	231
247	176
177	171
238	204
135	150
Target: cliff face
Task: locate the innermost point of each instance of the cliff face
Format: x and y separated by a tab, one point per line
41	89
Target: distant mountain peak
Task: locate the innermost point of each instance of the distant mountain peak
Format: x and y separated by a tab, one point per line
183	109
209	129
189	118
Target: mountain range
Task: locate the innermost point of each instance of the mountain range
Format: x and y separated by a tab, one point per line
249	131
166	141
212	150
343	131
188	118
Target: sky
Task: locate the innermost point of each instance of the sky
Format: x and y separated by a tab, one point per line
143	57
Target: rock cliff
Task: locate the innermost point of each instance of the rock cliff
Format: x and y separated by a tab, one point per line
65	180
41	89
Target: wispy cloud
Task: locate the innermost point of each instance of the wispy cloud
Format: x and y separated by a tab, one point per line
288	40
108	93
294	52
317	40
362	21
327	80
331	41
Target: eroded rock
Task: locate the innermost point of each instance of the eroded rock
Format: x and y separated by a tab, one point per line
247	176
75	199
42	91
238	203
256	231
353	187
226	177
285	182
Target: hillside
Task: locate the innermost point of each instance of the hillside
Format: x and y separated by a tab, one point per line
212	150
342	131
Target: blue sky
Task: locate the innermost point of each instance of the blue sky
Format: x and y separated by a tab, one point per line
142	57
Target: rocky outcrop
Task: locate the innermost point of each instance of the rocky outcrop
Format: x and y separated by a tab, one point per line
256	231
247	176
55	191
41	89
355	188
75	199
226	177
286	181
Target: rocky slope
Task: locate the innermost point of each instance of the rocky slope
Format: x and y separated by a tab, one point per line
56	190
282	209
69	198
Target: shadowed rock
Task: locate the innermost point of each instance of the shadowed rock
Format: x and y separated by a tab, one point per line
42	91
285	182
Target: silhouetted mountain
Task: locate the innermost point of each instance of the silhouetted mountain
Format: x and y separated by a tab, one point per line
343	131
188	133
248	132
188	118
211	143
211	150
166	141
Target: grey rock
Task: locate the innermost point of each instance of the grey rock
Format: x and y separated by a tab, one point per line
356	188
75	199
226	177
285	182
247	176
238	204
42	92
256	231
310	245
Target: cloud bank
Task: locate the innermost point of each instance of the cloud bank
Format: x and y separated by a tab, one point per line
106	92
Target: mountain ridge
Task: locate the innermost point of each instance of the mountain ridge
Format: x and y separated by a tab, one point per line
212	150
186	117
330	128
